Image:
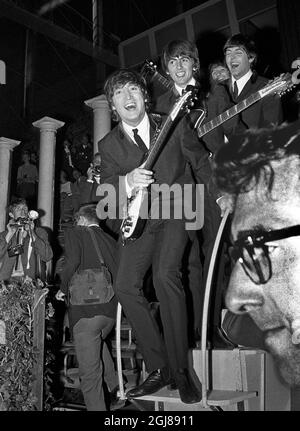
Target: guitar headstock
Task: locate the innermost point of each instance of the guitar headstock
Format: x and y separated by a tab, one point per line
280	85
185	102
149	68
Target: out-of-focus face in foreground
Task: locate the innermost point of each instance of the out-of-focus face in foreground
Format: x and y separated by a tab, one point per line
265	281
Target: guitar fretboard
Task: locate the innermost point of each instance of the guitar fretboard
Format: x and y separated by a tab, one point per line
153	153
162	80
231	112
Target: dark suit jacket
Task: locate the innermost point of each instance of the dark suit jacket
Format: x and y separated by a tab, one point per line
264	113
214	103
81	254
40	247
120	155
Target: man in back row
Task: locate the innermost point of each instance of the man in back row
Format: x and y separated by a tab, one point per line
162	243
240	57
180	61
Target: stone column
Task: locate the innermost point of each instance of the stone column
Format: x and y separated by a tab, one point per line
48	127
102	121
6	147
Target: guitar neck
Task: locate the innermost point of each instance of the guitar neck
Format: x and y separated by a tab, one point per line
153	153
231	112
165	82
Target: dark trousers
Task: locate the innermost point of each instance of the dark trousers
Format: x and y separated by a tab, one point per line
163	249
193	281
94	359
198	259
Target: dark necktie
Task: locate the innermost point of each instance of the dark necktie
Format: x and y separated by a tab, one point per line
187	88
235	90
139	141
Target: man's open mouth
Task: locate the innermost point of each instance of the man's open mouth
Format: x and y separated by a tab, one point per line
130	106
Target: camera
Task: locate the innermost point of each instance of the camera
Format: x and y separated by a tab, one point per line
97	170
21	222
15	250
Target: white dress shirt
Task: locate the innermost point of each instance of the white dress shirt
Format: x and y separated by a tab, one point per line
143	130
192	81
242	81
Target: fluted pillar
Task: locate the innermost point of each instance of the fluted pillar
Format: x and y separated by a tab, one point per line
6	148
48	127
101	118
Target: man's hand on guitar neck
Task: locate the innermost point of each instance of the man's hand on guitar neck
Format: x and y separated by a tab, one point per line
138	178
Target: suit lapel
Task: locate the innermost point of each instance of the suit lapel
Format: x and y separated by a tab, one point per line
245	91
127	143
249	88
129	150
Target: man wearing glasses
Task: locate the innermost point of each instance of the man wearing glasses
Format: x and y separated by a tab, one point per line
260	177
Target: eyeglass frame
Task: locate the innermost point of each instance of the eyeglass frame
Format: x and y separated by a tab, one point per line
258	240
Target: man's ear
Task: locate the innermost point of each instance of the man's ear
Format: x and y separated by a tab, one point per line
251	59
11	215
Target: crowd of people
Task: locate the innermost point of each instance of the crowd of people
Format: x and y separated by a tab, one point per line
150	152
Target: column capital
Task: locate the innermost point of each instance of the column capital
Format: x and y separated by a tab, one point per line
7	143
48	124
97	102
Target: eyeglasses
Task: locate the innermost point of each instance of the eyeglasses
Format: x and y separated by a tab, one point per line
253	253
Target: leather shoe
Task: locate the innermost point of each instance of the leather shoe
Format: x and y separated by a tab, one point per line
188	391
155	381
115	402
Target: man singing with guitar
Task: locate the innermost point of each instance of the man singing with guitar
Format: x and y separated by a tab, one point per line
142	150
240	56
243	84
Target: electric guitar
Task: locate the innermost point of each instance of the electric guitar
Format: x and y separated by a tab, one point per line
133	223
280	85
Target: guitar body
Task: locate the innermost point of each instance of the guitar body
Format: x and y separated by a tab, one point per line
133	225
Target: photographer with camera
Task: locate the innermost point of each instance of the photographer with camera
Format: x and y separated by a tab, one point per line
94	171
88	190
89	184
22	245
